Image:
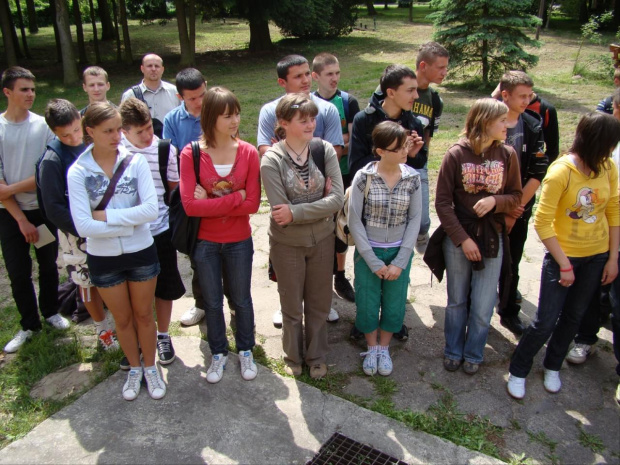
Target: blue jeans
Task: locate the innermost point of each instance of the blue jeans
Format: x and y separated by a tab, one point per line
235	259
466	333
425	223
560	310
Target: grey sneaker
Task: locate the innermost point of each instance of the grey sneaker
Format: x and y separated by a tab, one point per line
421	243
369	365
579	353
249	370
384	362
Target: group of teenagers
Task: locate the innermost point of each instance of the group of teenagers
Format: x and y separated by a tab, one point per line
102	191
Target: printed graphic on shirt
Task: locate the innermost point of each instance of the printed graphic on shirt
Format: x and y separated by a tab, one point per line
97	185
222	187
423	112
585	204
485	177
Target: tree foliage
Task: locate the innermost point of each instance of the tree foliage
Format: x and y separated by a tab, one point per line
486	34
315	19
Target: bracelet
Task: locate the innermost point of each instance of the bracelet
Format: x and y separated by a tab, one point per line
566	270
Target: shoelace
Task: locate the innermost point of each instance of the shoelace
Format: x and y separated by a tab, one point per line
107	337
216	363
384	359
246	363
133	380
153	380
164	344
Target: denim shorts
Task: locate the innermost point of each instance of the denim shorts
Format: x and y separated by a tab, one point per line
137	274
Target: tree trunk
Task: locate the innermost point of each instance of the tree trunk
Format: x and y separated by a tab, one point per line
186	57
411	13
18	51
95	38
370	8
385	5
69	69
7	37
485	51
77	19
22	28
56	33
33	28
260	38
105	15
117	36
127	58
541	13
160	9
191	18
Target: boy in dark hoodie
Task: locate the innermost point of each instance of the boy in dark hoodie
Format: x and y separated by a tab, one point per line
525	135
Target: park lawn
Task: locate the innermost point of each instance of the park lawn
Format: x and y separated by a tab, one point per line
224	60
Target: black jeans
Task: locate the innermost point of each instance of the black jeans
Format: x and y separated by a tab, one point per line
517	237
16	253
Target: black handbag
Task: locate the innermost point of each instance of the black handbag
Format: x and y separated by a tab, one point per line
184	229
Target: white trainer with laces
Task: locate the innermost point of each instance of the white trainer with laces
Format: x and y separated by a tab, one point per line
333	316
216	370
18	341
58	321
108	340
154	383
192	316
384	362
579	353
249	370
369	365
516	387
552	381
131	389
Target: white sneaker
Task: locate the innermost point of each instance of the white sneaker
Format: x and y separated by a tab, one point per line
516	386
18	341
249	370
369	365
131	389
333	316
422	243
154	383
216	370
58	321
277	318
579	353
384	362
552	381
618	394
192	316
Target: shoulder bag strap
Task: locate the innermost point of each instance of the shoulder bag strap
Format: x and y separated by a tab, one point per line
317	151
109	192
138	93
163	153
196	156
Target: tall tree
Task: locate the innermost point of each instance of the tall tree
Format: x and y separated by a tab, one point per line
33	27
186	23
257	13
127	56
56	33
69	68
370	8
22	28
117	35
105	16
487	34
93	21
79	32
7	36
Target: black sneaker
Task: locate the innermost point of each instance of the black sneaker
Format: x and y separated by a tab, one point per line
343	288
518	298
513	324
124	364
403	334
356	334
165	351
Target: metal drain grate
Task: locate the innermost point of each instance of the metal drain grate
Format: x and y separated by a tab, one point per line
341	450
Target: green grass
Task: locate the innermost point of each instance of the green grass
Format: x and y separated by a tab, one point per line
590	441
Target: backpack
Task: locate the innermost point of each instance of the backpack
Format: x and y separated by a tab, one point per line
342	217
163	154
158	126
345	103
66	160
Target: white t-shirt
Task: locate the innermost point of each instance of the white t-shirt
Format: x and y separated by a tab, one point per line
151	155
21	146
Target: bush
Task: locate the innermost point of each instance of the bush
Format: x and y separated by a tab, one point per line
315	19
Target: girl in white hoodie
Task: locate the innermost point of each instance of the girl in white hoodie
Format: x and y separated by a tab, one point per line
121	254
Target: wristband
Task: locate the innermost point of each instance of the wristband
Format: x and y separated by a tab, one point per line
566	270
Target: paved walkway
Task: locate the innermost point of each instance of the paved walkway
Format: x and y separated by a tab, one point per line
281	420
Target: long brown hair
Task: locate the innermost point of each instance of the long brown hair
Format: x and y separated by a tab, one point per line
481	114
216	101
596	136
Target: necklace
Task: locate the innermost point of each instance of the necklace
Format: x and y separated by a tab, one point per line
298	155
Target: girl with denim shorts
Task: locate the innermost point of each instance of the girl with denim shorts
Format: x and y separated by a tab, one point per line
478	183
384	224
228	193
577	220
121	255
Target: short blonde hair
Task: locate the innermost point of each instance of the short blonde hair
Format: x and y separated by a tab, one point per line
482	113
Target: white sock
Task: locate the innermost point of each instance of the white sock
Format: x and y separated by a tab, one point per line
150	368
102	325
162	334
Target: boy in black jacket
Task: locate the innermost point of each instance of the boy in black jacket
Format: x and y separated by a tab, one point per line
525	135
